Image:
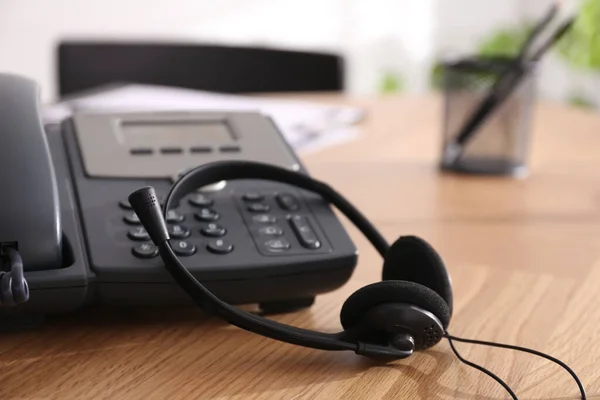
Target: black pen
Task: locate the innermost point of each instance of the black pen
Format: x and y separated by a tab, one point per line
505	83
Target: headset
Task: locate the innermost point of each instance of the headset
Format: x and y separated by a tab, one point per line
408	311
13	285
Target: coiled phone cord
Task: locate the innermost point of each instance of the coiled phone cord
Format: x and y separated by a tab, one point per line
13	285
510	347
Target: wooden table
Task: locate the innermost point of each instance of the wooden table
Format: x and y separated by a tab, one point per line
524	256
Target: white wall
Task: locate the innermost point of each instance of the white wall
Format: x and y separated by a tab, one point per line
375	35
30	29
463	23
368	31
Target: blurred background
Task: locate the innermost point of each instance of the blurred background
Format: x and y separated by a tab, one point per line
389	46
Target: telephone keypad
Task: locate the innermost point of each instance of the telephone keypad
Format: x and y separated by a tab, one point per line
275	221
145	250
179	232
286	229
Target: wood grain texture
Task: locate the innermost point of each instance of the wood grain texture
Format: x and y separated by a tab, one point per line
524	256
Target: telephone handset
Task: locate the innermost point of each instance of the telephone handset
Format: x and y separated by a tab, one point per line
30	213
64	210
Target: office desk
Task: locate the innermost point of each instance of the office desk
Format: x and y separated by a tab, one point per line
524	256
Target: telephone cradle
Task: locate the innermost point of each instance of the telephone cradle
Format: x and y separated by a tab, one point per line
63	205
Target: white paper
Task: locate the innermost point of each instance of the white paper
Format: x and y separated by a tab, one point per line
306	126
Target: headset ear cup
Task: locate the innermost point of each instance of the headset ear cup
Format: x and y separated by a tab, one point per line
412	259
18	284
20	290
6	295
364	299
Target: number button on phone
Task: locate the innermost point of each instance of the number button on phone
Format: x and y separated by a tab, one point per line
277	245
174	216
271	230
145	250
258	207
183	248
264	219
200	200
219	246
288	202
132	219
125	204
163	199
206	215
178	232
213	230
138	234
253	196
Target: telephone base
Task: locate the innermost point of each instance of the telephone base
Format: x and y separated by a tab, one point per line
264	257
286	306
23	322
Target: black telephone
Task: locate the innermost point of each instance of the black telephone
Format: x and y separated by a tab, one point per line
64	209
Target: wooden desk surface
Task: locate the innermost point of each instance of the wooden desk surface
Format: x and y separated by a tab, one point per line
524	257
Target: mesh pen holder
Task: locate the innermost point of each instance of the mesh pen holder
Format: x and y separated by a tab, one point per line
500	145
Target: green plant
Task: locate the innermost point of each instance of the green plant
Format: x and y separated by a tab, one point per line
391	82
504	42
436	76
580	47
580	101
460	76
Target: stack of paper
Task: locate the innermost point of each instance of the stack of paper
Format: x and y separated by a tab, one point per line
305	125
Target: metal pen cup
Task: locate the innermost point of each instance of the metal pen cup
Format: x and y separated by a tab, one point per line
500	145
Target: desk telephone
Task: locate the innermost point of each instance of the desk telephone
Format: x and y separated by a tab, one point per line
253	229
64	208
242	223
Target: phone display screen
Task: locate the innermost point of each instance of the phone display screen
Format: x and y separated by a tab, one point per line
175	132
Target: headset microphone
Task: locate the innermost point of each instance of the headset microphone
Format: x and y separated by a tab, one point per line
409	310
146	205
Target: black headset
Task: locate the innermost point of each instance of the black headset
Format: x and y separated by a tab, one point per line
13	285
409	310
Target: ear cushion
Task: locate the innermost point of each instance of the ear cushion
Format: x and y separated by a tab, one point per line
361	301
412	259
